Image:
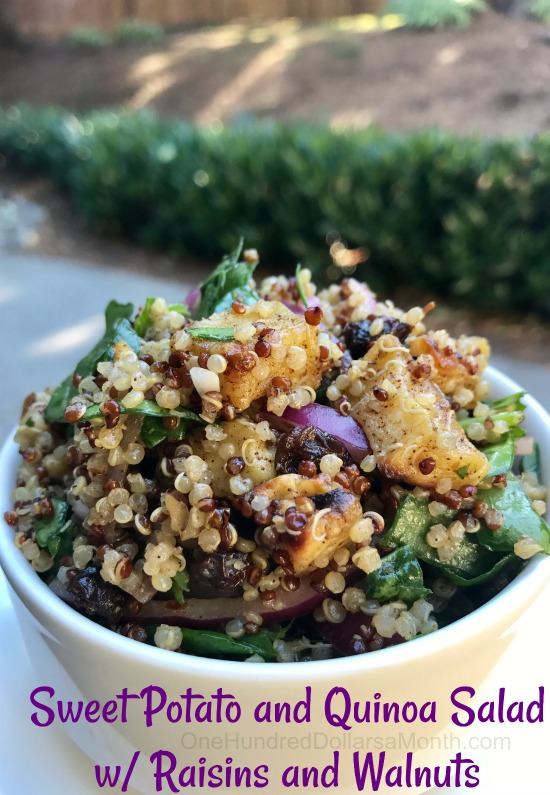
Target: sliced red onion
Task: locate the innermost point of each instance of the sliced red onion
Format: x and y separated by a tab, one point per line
370	298
343	636
299	309
215	613
346	429
193	298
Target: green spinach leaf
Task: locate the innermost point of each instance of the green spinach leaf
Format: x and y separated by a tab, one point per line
207	643
511	418
153	431
117	328
472	563
220	289
143	320
181	309
56	532
501	455
519	519
399	577
147	408
244	295
510	403
531	461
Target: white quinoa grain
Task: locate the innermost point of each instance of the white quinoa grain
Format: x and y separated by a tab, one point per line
297	358
169	398
217	363
376	327
362	531
539	506
123	514
437	536
368	464
367	559
436	508
335	582
353	599
526	547
235	628
209	539
331	464
167	637
476	432
334	612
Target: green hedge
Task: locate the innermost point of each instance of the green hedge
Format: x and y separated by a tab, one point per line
463	218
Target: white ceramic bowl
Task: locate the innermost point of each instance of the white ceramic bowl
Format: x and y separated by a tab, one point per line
84	661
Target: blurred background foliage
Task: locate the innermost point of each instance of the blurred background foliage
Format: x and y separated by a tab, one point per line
466	218
435	13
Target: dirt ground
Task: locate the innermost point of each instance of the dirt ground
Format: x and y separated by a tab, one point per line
491	79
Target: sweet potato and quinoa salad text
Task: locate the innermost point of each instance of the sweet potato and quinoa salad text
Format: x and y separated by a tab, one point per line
270	473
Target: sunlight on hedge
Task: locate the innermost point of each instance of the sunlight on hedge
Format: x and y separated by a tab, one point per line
467	218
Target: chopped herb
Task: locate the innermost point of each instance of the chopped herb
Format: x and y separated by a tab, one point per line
180	583
153	431
462	471
206	333
300	286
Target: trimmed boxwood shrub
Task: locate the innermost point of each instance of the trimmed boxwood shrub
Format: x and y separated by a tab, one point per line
465	218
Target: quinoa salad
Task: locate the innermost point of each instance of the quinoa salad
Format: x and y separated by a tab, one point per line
271	473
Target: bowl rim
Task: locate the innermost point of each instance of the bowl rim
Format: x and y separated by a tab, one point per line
40	600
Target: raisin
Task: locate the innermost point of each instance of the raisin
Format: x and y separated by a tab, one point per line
217	574
307	444
358	339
